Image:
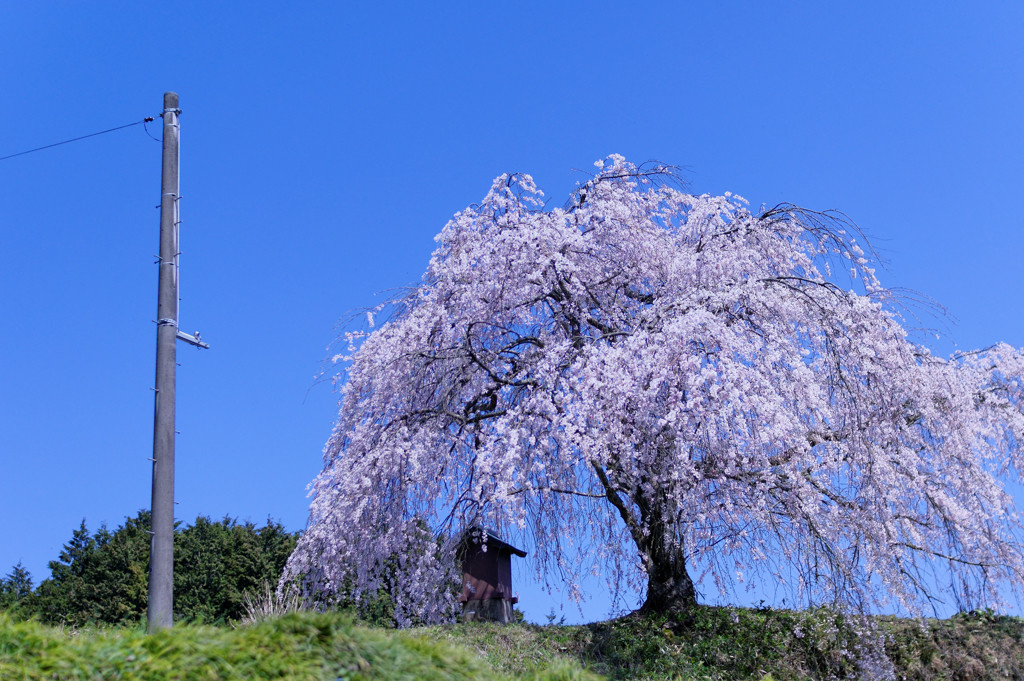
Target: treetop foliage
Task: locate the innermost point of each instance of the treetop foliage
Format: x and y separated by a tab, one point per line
667	389
16	586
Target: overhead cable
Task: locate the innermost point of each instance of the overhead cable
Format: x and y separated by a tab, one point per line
103	132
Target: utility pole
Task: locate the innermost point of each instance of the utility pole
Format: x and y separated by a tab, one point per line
161	552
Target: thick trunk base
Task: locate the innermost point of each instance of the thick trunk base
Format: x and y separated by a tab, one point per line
669	588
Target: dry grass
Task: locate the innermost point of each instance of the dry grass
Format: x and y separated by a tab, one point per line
268	604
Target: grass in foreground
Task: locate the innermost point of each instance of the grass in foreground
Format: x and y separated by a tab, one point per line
295	646
710	643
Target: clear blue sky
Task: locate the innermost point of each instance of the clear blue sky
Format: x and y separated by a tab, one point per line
324	144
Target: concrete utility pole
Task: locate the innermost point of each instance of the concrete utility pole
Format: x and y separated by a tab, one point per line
161	553
161	547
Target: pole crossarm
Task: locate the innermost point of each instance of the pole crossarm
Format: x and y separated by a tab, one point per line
193	339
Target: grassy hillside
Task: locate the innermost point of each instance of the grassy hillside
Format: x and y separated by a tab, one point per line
728	643
712	643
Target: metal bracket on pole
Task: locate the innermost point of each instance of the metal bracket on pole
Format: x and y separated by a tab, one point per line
193	340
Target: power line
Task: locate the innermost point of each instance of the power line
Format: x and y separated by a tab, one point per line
48	146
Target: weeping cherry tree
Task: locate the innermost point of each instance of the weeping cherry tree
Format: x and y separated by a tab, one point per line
670	391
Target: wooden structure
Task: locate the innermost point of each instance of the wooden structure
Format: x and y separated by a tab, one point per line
487	577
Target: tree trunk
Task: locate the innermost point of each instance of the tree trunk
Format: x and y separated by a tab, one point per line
669	587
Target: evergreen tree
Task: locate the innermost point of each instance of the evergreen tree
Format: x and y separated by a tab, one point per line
15	588
217	562
63	597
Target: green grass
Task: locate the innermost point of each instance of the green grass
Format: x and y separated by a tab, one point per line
296	646
709	643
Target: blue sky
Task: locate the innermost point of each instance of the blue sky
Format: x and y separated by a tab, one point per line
325	144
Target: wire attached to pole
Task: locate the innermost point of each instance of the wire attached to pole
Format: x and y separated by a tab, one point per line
148	119
146	128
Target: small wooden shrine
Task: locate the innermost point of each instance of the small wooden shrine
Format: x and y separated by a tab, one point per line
487	577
